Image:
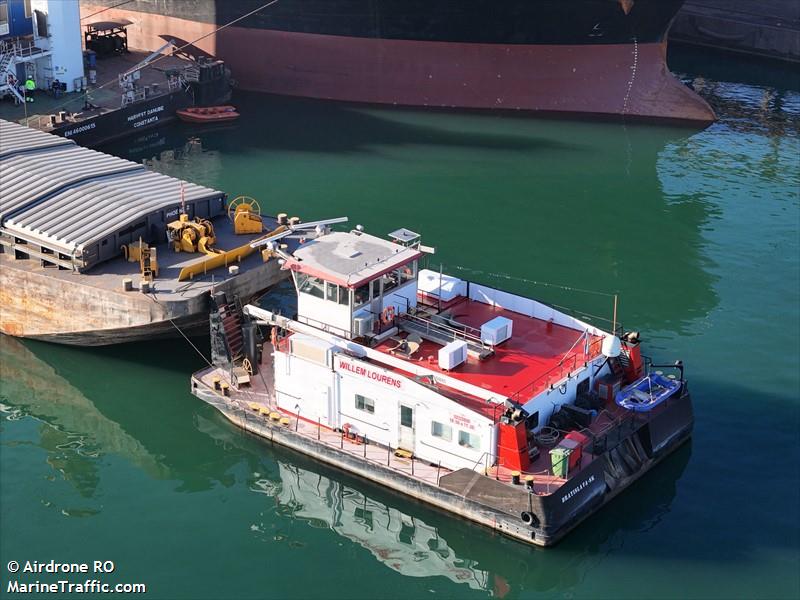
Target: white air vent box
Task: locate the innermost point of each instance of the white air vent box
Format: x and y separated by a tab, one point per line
452	355
496	331
441	286
362	325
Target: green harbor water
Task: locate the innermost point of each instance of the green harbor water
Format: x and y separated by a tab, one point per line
104	454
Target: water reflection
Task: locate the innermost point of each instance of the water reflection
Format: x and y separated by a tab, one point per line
417	541
73	432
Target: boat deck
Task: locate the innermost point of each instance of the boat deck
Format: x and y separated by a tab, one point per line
108	276
538	353
105	95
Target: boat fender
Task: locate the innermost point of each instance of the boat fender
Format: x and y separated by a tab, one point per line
388	315
530	519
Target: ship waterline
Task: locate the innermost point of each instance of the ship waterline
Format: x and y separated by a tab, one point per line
608	75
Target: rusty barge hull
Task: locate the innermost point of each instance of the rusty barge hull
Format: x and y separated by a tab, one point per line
93	310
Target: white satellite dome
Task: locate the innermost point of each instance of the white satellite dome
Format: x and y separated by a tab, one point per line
612	347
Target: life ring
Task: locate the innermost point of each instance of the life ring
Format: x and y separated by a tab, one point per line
388	315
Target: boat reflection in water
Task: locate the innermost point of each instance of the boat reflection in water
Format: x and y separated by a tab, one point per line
73	431
415	540
81	426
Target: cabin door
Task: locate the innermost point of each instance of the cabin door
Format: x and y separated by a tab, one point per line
406	436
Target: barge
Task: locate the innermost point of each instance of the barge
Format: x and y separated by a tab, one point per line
488	405
98	250
599	58
105	92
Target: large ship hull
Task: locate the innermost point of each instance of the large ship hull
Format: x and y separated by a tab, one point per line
588	57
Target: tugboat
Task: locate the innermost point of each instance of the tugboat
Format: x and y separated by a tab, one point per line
489	405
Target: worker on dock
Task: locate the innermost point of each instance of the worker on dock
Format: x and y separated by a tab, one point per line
30	88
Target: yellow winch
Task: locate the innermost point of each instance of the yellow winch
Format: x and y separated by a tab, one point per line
192	235
245	213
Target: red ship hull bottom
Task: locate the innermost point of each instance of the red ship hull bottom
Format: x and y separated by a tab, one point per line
630	80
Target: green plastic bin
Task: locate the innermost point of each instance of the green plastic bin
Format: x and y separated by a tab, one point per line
559	460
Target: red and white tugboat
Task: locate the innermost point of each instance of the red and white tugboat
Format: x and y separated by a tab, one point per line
492	406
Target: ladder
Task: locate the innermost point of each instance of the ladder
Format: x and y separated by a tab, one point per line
7	62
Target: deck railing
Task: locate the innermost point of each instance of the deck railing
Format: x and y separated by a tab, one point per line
562	370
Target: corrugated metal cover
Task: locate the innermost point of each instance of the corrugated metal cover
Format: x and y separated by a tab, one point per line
15	139
68	196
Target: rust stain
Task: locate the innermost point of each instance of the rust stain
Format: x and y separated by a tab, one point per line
626	5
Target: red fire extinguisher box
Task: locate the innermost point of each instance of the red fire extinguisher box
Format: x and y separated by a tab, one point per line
581	442
607	387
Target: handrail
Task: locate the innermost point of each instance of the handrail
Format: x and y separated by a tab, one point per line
445	329
557	372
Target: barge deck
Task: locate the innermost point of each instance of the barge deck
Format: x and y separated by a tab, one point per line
65	215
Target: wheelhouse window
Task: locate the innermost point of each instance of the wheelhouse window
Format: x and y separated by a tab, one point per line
469	440
362	295
376	288
440	430
332	292
365	404
407	273
311	285
390	281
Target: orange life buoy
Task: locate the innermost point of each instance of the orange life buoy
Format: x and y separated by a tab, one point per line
274	337
388	315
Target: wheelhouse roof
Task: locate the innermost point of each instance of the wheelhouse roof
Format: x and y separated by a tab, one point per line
350	259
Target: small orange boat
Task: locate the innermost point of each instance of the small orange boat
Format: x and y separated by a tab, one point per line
208	114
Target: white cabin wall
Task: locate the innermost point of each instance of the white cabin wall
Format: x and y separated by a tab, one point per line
65	40
311	385
317	312
383	426
452	455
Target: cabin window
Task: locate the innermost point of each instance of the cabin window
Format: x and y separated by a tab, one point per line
311	285
3	19
440	430
332	292
407	272
390	281
376	288
362	294
28	11
344	295
406	416
365	404
469	440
